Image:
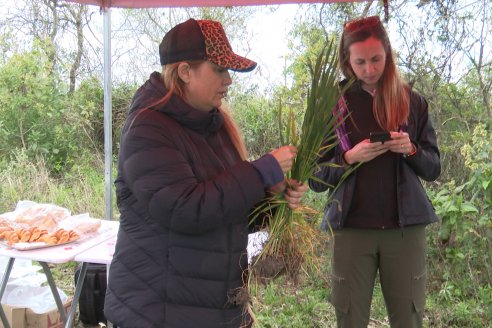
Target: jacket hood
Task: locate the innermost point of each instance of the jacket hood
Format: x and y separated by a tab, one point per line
153	90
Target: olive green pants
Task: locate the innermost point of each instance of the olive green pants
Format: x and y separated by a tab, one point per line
398	255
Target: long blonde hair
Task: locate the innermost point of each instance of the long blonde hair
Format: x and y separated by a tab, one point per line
391	105
234	133
175	85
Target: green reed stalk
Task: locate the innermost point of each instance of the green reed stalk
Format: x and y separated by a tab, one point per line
291	237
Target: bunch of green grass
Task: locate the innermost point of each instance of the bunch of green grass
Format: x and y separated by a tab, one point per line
293	237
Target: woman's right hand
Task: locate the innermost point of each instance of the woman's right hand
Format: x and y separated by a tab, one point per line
285	157
364	151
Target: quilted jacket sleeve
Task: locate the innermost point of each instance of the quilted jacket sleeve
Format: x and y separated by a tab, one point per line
160	166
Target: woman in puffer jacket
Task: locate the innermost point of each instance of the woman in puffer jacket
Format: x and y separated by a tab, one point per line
185	190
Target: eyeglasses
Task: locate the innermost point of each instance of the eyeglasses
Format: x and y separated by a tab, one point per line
360	23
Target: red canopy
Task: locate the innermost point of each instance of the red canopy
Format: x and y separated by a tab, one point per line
194	3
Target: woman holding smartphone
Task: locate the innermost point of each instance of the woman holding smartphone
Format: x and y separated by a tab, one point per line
379	213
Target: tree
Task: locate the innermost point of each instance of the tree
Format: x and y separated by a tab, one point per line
60	24
134	60
442	49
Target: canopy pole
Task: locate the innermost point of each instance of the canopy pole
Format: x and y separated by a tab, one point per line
108	143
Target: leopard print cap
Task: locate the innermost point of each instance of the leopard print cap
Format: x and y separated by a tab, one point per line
218	49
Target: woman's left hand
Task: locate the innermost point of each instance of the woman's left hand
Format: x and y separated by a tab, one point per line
293	191
400	143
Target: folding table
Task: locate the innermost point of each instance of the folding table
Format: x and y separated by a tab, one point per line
57	254
102	254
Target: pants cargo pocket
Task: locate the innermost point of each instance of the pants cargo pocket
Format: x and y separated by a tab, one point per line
340	296
418	291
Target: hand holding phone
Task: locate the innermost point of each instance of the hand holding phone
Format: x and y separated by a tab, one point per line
379	136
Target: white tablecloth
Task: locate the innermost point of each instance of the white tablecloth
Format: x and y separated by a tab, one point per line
101	253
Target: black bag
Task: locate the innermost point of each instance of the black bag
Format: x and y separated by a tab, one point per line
91	301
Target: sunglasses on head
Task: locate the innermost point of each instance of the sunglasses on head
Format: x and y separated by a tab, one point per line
360	23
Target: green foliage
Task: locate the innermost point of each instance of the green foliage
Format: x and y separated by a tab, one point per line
449	308
280	304
454	114
121	99
460	258
256	117
41	120
86	104
81	190
36	114
477	157
455	213
295	308
28	97
311	41
466	208
6	44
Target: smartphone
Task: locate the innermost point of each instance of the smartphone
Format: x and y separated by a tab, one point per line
379	136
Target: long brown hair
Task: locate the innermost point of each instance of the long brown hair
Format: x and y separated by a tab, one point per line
175	85
391	104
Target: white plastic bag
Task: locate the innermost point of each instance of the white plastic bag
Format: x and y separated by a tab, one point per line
23	273
38	299
22	269
255	243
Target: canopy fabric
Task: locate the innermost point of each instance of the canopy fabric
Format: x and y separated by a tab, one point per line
193	3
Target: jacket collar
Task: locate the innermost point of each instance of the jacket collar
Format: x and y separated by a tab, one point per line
194	119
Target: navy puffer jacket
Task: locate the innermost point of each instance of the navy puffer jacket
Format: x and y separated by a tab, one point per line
184	195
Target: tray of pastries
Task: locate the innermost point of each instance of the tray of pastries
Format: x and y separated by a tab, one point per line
34	225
